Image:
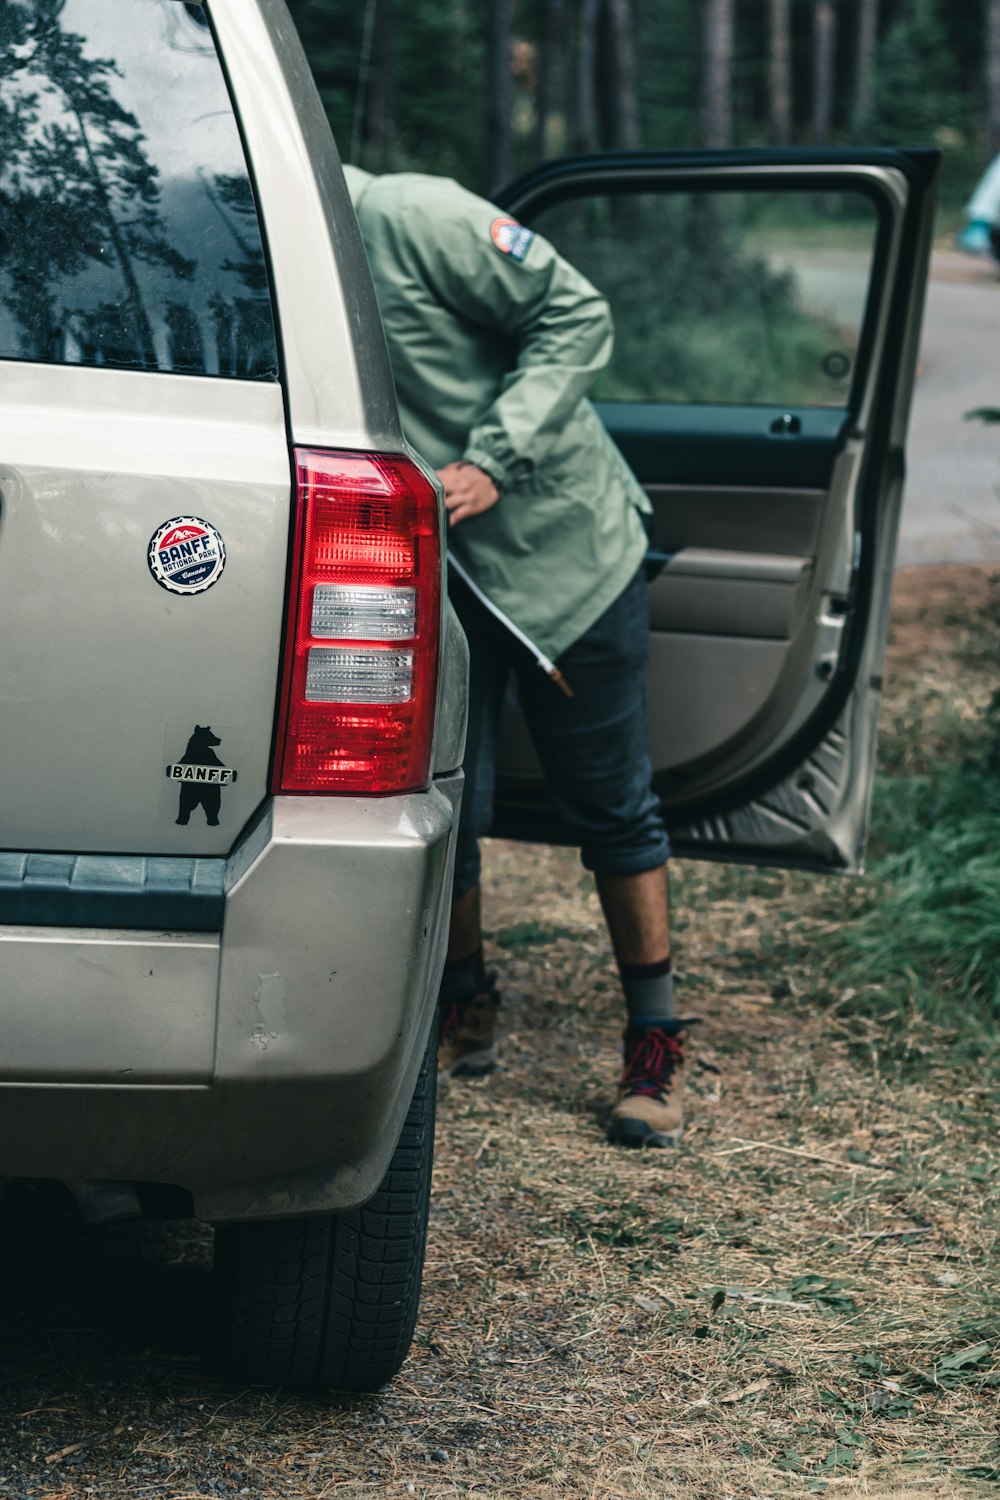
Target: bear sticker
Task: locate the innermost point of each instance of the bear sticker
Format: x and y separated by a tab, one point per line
202	775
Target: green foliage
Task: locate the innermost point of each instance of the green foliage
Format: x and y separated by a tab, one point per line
430	61
702	316
440	72
667	60
917	90
913	950
331	33
405	86
530	934
921	937
921	97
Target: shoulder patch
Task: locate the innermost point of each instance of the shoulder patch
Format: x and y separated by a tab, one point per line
511	238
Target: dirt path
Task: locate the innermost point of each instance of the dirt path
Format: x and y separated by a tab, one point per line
950	511
802	1298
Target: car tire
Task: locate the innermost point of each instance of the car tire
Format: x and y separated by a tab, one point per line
329	1302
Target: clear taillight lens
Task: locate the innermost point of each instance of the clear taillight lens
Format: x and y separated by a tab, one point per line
361	661
362	612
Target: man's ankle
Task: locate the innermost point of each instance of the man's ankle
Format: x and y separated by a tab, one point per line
464	977
465	934
649	992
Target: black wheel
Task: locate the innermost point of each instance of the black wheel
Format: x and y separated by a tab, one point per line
330	1302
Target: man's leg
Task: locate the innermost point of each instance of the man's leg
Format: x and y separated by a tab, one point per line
465	935
637	911
594	748
649	1110
468	998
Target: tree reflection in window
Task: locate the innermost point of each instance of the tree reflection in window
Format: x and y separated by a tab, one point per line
128	233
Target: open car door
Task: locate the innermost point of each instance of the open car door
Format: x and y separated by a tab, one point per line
767	309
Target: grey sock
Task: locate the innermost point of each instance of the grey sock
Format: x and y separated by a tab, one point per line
649	992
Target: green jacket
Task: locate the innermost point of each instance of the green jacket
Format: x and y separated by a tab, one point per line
495	341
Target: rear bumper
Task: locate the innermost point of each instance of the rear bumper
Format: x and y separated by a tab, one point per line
265	1069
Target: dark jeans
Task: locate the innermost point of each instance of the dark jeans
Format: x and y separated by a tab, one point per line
594	747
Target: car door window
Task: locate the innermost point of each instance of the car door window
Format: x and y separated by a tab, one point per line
128	231
766	306
748	298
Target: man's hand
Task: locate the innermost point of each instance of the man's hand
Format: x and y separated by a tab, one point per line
467	491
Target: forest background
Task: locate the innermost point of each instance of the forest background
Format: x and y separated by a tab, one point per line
483	89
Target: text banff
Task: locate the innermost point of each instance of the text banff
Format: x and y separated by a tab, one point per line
217	775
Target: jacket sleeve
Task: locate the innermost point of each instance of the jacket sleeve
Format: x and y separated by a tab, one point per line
560	325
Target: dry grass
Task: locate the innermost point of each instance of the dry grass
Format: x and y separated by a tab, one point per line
801	1298
942	664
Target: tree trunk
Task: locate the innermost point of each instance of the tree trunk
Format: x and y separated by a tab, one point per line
583	111
824	40
716	72
143	327
623	108
779	73
864	77
499	132
993	76
361	88
550	51
382	120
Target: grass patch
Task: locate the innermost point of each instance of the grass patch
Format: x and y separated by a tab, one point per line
914	945
529	935
919	938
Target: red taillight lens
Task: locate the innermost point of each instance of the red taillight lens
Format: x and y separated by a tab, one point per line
361	661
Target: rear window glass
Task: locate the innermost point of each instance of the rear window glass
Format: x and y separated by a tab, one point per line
128	231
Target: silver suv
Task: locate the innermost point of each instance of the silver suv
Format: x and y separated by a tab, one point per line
231	695
232	704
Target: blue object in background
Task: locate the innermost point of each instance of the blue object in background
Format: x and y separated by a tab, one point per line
982	213
975	238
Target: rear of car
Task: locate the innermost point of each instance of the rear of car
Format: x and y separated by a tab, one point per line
231	698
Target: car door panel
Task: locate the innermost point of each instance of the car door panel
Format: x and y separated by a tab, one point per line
707	591
735	445
773	519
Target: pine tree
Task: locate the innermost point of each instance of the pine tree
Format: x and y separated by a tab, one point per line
779	73
864	65
717	69
500	95
824	57
668	51
916	88
621	112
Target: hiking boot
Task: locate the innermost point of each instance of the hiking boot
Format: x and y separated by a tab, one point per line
649	1110
467	1046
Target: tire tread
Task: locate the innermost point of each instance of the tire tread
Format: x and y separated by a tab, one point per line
331	1302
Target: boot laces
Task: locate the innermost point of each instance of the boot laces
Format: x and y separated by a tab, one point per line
451	1021
458	1012
649	1068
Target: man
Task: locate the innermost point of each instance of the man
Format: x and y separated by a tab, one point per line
495	341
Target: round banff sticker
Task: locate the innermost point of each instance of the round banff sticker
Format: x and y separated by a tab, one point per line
186	555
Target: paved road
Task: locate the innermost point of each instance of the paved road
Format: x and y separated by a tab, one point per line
952	507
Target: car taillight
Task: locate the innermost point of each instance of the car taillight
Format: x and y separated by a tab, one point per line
360	672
